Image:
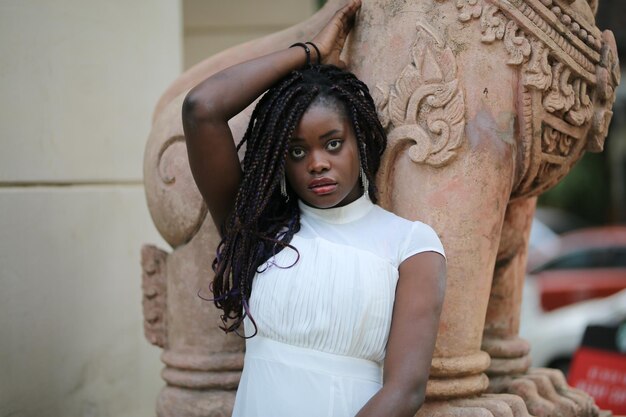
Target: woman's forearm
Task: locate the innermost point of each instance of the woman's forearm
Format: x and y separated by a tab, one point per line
228	92
224	94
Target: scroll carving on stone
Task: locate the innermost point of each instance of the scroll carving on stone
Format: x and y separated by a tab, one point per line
172	168
154	288
176	205
425	105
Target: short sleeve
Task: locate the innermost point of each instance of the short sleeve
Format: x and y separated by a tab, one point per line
421	238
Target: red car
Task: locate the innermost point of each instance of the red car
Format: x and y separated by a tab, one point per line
580	265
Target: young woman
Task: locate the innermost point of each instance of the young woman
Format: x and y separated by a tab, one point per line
327	285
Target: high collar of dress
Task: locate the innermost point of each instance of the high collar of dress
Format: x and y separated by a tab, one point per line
344	214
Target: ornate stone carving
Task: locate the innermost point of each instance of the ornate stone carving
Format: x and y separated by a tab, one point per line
495	26
556	143
568	76
608	78
469	9
579	24
154	288
492	24
516	44
425	106
537	72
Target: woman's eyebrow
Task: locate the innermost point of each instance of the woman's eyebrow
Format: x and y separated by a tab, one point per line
323	136
332	132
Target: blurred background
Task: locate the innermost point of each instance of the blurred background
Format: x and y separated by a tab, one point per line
78	83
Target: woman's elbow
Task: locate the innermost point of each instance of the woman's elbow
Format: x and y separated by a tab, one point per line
198	106
194	107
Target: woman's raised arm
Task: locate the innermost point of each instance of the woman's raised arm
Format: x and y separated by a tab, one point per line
208	107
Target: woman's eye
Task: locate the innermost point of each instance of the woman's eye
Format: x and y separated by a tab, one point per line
297	153
333	145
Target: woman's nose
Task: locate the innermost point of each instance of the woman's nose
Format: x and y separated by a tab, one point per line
318	163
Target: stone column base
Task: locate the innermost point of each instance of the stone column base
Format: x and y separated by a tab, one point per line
180	402
546	394
486	405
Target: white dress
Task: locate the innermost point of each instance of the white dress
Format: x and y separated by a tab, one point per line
323	314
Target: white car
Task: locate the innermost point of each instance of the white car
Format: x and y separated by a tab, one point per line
574	280
555	335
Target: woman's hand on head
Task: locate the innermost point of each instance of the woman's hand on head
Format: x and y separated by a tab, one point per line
331	39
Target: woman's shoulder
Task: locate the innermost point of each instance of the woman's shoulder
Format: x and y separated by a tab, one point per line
385	217
409	236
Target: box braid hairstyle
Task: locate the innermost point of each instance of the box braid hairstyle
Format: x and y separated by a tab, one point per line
263	221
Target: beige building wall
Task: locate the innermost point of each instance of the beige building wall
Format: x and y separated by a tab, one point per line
78	81
214	25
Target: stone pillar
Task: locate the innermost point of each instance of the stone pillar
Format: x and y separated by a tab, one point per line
202	365
449	162
509	353
487	103
544	391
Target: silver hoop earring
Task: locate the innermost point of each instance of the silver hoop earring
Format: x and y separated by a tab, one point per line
365	182
283	188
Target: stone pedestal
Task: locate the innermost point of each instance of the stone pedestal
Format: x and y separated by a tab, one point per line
487	103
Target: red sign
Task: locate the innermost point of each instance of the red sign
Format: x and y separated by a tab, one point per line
601	374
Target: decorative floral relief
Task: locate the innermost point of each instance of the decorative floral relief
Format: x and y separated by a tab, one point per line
154	288
492	24
567	96
495	26
561	94
425	104
469	9
538	72
582	110
516	44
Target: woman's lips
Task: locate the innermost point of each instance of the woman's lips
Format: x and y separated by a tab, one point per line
322	186
324	189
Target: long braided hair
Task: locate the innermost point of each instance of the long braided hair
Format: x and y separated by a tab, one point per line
263	221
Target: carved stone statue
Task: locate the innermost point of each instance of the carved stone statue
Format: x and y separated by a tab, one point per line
487	103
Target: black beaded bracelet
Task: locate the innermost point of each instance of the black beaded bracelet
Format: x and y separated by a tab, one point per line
306	49
319	55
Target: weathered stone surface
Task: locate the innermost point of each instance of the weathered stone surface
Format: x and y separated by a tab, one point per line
487	104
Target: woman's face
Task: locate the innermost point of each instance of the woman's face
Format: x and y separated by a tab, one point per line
322	163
